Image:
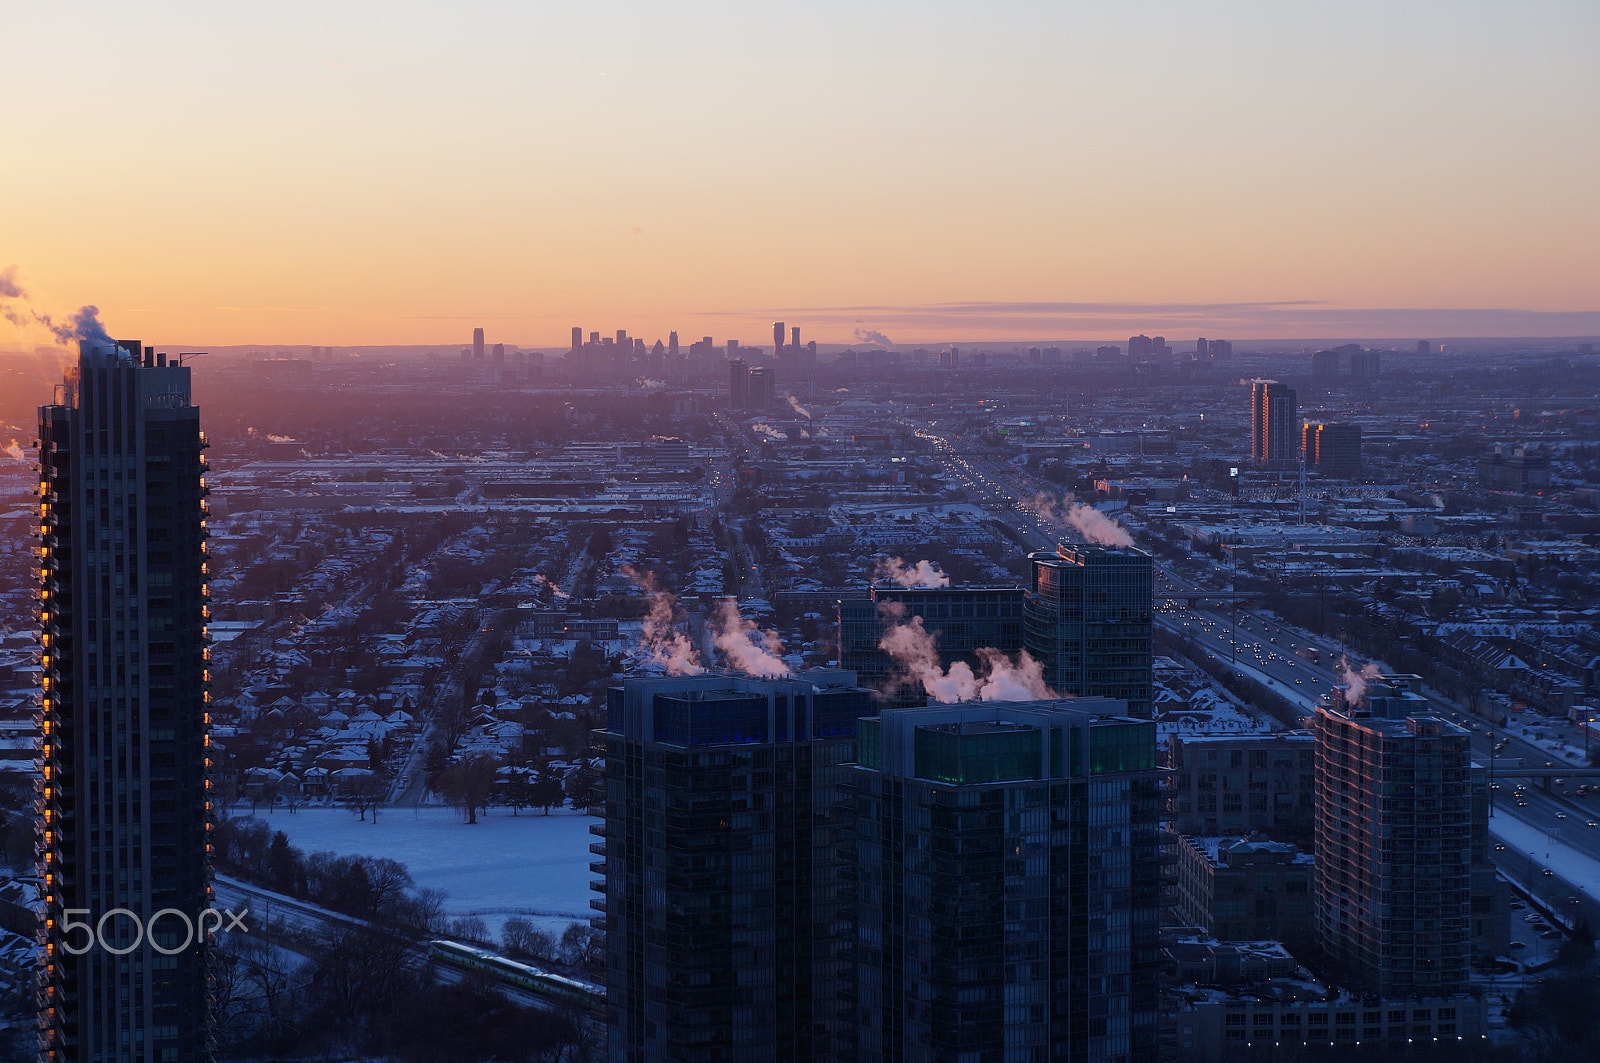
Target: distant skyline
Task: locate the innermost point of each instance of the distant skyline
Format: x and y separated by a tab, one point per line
357	173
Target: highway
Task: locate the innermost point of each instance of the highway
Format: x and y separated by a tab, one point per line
1303	668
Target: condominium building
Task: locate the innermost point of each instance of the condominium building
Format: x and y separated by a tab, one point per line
1006	885
123	801
721	854
1086	620
1394	845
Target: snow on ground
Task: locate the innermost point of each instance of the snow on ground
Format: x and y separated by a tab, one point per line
530	864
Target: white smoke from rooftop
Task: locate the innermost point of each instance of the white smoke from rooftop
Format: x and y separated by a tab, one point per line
925	574
747	647
14	450
541	580
670	649
1356	682
1094	526
915	653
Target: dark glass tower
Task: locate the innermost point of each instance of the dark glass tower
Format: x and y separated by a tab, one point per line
1086	619
721	858
124	800
1006	885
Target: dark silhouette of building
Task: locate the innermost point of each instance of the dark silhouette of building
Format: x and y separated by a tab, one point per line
962	620
1242	783
1274	415
577	337
1515	469
1325	369
477	345
1424	347
1245	889
123	800
1394	840
777	341
1365	367
1087	621
738	384
761	387
1139	346
1006	884
722	850
1333	449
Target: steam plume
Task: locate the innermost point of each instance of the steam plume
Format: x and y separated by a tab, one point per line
916	655
794	404
83	325
545	581
1356	682
1093	525
874	337
669	648
748	648
15	451
922	574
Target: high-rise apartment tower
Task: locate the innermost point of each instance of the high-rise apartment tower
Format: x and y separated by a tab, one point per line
1086	619
1394	844
1274	412
721	858
1005	883
124	802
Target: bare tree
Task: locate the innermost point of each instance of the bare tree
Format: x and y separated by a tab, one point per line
470	782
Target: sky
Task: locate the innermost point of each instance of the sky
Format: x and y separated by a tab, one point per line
392	172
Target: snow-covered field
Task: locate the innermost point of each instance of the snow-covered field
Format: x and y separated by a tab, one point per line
529	864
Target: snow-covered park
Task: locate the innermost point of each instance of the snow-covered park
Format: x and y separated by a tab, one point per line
530	864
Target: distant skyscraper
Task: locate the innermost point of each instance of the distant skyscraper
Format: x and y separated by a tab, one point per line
477	345
721	862
1325	369
1394	839
762	388
1275	420
1424	347
1007	885
577	337
738	384
499	354
672	344
1087	620
1365	367
124	803
1200	349
1139	346
777	341
1221	348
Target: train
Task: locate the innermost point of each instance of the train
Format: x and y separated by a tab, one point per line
554	987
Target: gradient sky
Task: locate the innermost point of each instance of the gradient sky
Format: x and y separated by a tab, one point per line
397	172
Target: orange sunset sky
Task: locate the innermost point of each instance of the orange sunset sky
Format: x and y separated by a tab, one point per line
347	173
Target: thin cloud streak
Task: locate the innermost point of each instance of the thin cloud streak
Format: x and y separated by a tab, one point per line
1306	318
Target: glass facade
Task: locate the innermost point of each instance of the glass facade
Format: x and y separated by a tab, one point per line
1004	896
1087	621
721	855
